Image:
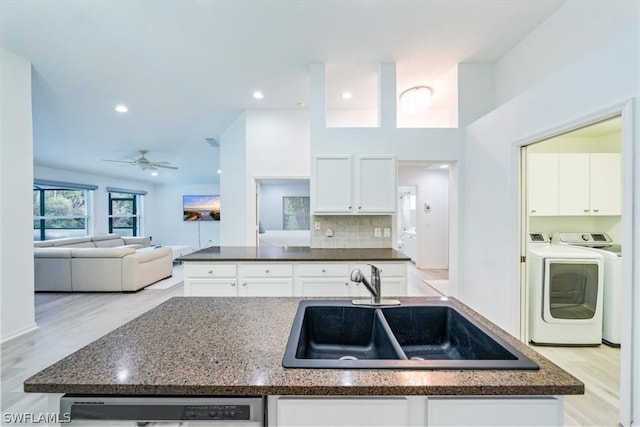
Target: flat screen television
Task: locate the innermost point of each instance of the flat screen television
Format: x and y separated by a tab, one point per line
201	208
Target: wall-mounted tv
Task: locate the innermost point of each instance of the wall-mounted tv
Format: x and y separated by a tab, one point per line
201	208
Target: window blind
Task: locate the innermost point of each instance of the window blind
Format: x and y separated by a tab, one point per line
125	191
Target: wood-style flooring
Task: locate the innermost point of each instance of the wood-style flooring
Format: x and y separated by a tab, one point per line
67	322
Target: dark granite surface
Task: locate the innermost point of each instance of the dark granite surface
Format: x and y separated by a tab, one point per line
292	253
234	346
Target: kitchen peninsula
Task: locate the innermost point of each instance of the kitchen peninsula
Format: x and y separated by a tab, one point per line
234	347
290	271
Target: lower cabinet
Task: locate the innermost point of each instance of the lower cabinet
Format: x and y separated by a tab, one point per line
281	279
286	411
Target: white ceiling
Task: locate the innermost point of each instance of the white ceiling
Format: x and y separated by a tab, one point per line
186	69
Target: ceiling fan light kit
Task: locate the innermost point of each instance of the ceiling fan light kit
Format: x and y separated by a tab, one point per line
143	163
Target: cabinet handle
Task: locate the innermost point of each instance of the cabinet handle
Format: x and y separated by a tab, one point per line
233	284
267	271
244	284
346	283
324	271
596	210
359	207
349	207
585	210
210	271
533	211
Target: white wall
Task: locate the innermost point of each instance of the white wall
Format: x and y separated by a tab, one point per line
234	185
16	209
432	229
570	34
170	229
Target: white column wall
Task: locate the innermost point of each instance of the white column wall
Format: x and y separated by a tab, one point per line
234	185
16	209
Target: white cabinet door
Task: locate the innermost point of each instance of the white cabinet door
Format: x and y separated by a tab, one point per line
542	184
332	184
375	184
256	287
494	412
573	184
338	412
210	287
320	287
606	184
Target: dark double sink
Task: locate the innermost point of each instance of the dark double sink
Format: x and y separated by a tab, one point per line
339	335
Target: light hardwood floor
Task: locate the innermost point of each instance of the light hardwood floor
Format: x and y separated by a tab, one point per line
67	322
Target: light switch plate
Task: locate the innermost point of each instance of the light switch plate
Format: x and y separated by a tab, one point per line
316	226
387	232
376	232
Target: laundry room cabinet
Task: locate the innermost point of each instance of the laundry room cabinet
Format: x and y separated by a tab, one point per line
352	185
574	184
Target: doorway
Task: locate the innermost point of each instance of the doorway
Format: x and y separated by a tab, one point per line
283	213
423	216
561	186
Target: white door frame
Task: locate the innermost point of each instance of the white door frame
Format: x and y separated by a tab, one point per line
627	351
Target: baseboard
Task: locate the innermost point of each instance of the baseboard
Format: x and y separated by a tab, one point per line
33	327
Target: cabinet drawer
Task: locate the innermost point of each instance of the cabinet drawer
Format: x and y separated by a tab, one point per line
266	270
209	270
386	270
320	269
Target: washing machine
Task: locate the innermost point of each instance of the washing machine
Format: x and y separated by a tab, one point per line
565	293
612	254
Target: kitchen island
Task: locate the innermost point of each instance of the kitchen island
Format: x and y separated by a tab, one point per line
234	347
290	271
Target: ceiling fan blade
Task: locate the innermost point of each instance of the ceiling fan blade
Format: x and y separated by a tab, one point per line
129	162
165	166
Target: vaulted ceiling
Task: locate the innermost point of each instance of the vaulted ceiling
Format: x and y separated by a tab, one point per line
187	68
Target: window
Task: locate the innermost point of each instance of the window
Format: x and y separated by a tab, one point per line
123	214
295	213
59	212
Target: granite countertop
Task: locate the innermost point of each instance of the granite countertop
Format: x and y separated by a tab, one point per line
292	253
235	346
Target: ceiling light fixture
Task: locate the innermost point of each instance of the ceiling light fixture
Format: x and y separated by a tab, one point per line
154	173
258	95
416	99
347	95
121	108
444	166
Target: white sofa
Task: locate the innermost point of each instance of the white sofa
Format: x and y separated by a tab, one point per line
105	263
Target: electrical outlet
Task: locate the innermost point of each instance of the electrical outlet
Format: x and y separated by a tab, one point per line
316	226
376	232
387	232
329	232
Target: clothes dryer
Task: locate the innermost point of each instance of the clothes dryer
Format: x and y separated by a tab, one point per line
612	296
565	301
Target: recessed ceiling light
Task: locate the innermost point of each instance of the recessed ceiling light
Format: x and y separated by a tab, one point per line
444	166
258	95
154	173
416	99
219	171
121	108
347	95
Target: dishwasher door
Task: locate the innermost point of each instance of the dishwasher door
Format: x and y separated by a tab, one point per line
167	411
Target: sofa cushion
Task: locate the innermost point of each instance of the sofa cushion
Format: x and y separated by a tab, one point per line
42	244
102	252
73	242
107	241
52	252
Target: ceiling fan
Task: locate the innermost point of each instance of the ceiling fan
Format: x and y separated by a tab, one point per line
144	163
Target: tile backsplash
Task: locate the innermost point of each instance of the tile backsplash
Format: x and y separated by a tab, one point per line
350	231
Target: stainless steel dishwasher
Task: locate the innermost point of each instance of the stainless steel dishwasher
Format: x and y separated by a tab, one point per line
163	411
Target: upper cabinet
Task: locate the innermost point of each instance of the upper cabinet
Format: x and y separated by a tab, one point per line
574	184
360	184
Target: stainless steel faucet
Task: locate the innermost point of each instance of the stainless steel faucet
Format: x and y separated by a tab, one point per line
374	287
